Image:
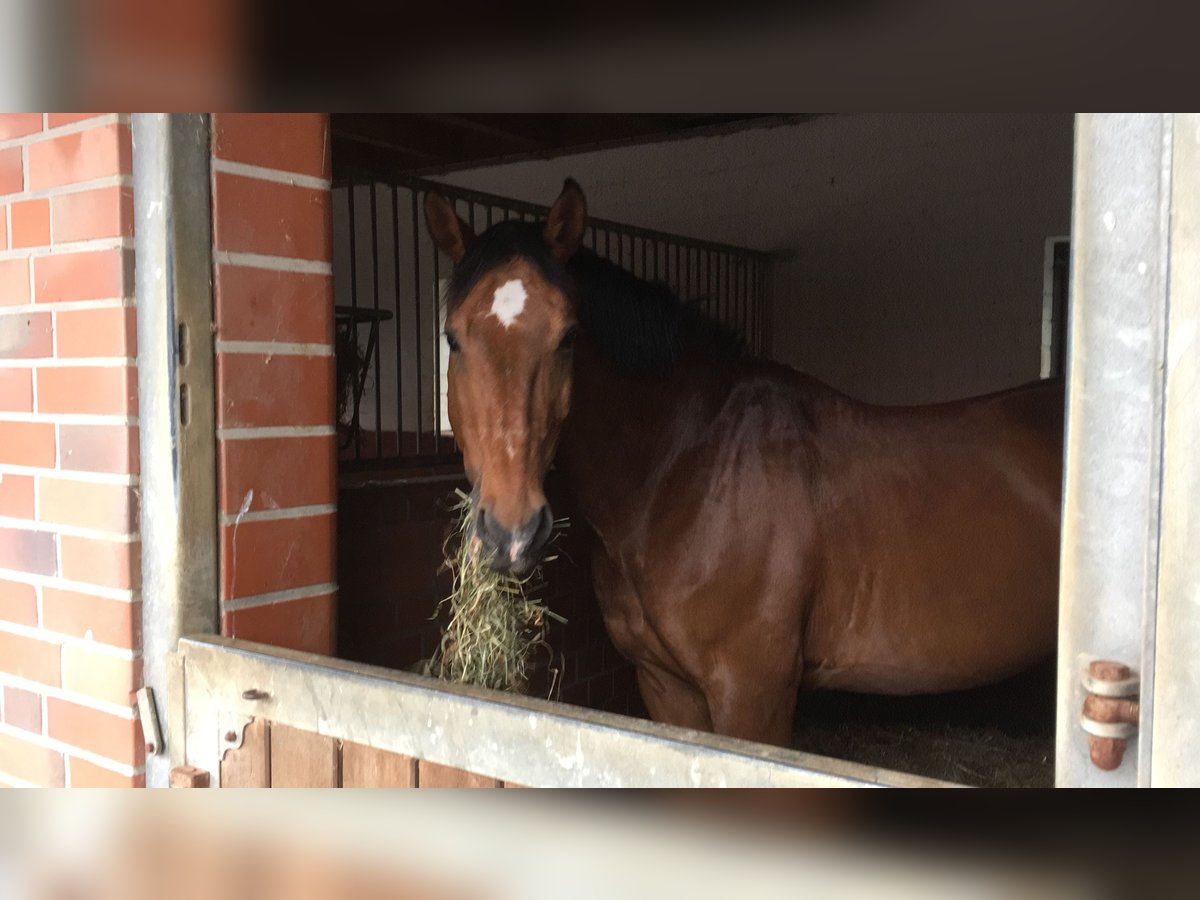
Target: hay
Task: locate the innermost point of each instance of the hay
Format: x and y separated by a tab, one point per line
495	630
977	756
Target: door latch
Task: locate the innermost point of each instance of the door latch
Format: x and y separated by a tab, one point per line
1110	711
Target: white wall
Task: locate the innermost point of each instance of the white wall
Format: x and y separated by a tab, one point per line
910	247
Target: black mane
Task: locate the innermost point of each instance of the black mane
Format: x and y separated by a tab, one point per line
641	326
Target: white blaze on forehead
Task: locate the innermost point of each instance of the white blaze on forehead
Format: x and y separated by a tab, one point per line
509	302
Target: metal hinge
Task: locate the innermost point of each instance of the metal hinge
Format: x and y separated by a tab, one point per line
1110	711
148	713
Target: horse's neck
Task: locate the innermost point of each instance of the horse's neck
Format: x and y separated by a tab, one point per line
615	438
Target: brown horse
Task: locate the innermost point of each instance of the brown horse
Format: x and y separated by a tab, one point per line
756	530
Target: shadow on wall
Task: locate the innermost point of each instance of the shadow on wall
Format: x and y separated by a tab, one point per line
391	579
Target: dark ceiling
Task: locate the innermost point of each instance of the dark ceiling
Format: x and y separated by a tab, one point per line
423	144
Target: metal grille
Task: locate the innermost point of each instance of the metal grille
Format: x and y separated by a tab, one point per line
389	283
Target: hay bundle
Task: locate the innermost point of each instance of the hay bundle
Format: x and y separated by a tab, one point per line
495	630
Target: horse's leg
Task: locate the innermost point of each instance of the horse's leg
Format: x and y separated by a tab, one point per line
672	700
668	697
746	705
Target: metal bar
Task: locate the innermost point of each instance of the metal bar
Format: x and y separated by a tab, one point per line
1119	270
528	741
412	460
453	192
176	362
398	287
722	296
356	426
717	290
416	237
708	281
760	304
1176	685
373	341
437	349
739	277
752	275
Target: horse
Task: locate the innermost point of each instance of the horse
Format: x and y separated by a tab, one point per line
756	531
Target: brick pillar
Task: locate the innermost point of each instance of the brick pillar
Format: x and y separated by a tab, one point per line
70	656
277	442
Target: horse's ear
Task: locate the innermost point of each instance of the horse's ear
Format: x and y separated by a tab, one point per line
566	222
452	235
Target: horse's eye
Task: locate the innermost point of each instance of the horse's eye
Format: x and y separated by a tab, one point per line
452	342
568	339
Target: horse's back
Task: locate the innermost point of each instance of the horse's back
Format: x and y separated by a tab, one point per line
939	541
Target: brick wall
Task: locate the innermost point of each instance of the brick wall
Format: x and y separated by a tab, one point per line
277	446
69	553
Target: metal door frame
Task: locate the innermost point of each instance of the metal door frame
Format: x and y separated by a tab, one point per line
220	685
1133	425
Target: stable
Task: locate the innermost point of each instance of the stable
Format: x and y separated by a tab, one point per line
227	452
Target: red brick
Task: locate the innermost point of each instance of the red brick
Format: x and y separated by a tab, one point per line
95	561
16	125
261	557
3	226
94	390
99	732
100	675
23	550
105	621
293	142
29	762
16	496
263	391
56	120
31	223
100	152
27	444
18	603
26	336
265	305
23	709
29	658
14	282
306	625
94	275
98	448
97	333
88	775
12	174
16	390
88	215
282	472
83	504
256	216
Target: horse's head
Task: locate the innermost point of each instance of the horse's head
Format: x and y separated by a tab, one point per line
510	325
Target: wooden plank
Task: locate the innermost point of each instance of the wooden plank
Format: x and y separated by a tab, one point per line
433	775
250	764
302	759
188	777
366	767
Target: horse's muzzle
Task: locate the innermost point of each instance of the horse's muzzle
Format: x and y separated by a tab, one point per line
518	550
